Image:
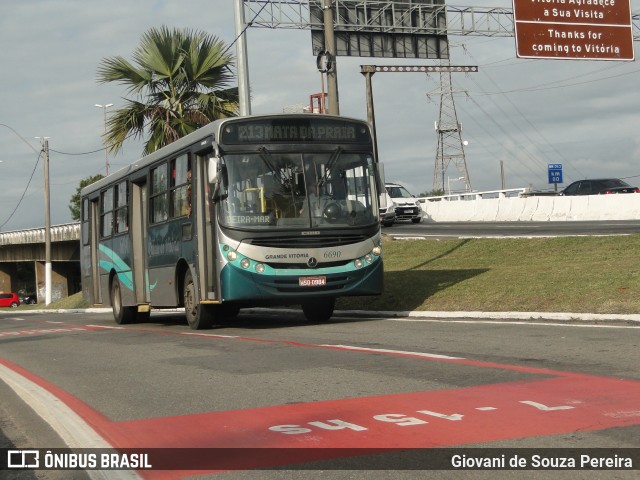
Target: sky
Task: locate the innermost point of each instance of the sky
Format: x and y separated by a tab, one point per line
525	113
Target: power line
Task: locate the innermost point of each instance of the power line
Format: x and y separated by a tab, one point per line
24	192
30	178
547	86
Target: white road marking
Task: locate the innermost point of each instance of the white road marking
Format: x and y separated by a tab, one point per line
401	352
510	322
73	430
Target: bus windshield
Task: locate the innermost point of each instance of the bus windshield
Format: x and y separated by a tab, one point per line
272	190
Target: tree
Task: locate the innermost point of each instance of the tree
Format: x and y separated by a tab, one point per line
432	193
74	202
181	79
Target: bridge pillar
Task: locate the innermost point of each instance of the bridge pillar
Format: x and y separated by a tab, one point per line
7	271
65	278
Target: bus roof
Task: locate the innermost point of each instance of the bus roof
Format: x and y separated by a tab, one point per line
198	135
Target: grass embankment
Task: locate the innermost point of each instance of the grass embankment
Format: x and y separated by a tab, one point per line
575	274
70	302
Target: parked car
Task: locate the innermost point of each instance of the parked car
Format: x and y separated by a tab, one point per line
29	299
387	210
9	300
407	207
599	186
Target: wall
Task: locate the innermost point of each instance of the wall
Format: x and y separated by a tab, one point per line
533	208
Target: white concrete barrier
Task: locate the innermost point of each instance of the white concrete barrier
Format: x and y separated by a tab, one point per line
478	208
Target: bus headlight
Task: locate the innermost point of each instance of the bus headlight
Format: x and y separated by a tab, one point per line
357	263
377	250
260	268
245	263
368	258
232	256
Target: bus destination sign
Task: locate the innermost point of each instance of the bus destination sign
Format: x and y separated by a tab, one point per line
574	29
294	130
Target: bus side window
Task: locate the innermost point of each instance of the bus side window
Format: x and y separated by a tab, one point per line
159	194
181	186
122	208
106	213
86	225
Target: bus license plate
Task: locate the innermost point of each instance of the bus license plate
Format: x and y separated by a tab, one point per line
312	281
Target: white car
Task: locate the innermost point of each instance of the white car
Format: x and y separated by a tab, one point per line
407	207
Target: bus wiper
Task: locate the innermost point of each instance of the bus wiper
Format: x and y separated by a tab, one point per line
281	176
332	161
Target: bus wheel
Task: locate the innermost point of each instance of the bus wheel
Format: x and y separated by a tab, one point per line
121	314
320	310
199	316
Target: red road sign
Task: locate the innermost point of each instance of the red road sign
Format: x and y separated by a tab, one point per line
574	29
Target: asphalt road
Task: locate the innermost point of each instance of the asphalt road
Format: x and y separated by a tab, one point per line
512	229
273	381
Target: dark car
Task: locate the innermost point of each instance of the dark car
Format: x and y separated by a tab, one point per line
9	300
29	299
599	186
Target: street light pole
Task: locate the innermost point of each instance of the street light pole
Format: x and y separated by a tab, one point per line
242	58
106	155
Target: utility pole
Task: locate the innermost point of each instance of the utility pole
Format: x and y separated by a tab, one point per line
330	47
368	71
47	223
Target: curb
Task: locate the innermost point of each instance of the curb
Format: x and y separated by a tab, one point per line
557	316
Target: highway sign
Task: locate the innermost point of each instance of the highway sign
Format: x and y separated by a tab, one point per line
555	173
566	29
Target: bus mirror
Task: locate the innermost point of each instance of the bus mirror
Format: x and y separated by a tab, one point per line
214	170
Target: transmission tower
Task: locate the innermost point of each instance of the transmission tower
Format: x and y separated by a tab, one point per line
450	149
450	145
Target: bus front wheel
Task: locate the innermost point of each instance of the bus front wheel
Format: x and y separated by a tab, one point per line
319	310
199	316
121	314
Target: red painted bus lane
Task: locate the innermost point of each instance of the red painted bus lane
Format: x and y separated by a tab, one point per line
548	405
411	420
309	432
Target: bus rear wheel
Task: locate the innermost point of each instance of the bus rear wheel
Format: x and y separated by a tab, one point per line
319	310
199	316
121	314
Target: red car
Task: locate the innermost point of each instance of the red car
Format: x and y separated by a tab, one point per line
9	300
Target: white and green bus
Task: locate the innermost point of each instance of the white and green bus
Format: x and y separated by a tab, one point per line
244	212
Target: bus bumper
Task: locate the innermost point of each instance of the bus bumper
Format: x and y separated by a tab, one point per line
282	284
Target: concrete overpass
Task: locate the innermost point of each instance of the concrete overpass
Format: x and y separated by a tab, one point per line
22	261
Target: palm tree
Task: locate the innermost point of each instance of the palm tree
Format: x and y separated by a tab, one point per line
181	79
